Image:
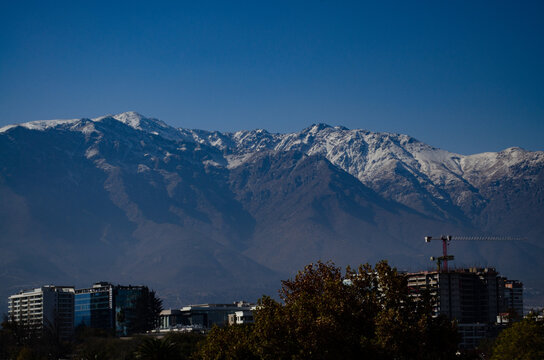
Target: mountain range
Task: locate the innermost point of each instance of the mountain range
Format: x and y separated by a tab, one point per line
206	216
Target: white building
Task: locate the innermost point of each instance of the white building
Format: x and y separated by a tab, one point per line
241	317
45	307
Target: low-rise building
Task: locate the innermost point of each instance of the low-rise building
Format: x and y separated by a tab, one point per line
202	317
241	317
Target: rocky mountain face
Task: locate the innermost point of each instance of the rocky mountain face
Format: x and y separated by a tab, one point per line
210	216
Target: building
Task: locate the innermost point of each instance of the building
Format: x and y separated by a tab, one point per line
202	317
125	301
47	307
241	317
513	296
472	334
109	307
94	307
474	297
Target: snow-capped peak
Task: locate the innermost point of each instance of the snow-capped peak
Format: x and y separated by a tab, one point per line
40	124
315	128
130	118
142	123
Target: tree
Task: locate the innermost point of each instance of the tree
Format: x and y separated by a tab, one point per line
234	342
147	310
366	313
186	343
12	338
156	349
105	348
23	341
523	340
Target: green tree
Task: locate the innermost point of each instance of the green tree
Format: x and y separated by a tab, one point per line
93	349
10	339
104	347
147	310
156	349
523	340
21	341
186	343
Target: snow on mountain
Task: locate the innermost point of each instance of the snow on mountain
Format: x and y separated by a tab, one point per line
368	156
131	119
507	163
148	125
41	124
359	152
397	166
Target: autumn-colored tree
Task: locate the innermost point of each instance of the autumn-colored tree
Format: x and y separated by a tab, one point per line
230	343
523	340
365	313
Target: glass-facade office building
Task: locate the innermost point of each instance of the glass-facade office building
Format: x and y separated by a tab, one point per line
93	307
108	307
126	298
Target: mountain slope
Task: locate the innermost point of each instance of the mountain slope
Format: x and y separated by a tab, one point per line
211	216
435	182
114	200
306	208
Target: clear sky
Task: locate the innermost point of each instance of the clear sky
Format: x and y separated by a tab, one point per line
466	76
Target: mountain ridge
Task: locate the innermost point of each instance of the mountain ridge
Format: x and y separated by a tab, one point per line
206	215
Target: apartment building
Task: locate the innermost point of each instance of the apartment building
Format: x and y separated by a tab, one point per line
45	308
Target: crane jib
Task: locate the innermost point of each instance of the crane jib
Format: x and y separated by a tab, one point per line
442	261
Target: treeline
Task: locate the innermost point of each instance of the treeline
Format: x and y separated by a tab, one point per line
17	343
365	313
324	313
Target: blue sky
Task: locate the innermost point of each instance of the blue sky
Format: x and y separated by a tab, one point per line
466	76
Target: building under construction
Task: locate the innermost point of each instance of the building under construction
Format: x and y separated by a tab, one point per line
474	297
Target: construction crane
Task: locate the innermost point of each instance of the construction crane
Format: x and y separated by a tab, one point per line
442	261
